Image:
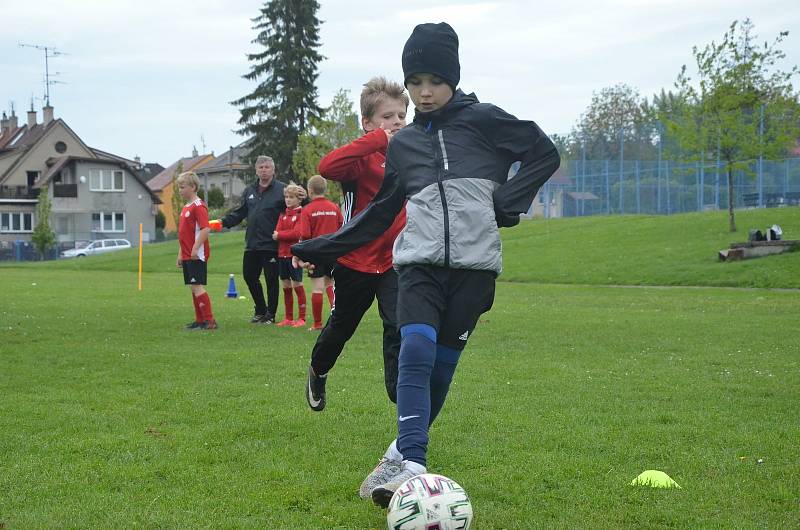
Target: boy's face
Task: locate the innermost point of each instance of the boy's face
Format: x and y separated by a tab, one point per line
428	92
186	190
292	201
390	115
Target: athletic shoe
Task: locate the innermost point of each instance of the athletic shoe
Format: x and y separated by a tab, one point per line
267	319
193	325
382	494
285	322
385	470
208	325
299	323
315	390
316	327
256	319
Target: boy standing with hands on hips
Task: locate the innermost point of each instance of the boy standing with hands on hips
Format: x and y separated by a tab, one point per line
450	169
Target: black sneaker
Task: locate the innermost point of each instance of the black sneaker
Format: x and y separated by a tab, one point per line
315	390
208	325
193	325
267	319
256	319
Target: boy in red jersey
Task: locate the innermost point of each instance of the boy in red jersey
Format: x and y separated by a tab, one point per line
194	250
365	273
319	217
286	234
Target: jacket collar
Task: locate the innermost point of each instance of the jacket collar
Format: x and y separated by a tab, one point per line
459	101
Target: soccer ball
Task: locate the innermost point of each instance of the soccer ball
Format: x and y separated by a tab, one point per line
429	502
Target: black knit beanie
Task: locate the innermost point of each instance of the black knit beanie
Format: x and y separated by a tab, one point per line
433	49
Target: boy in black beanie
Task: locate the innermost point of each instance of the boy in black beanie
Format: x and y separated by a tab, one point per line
450	168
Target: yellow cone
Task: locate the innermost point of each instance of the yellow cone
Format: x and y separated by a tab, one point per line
655	479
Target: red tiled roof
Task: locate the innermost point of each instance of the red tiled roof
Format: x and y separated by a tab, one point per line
163	179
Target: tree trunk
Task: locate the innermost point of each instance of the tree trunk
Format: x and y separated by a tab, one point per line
731	220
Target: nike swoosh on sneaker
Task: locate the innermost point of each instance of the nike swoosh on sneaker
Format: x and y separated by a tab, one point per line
404	418
314	402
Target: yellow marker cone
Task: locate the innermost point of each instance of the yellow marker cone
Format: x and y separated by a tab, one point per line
655	479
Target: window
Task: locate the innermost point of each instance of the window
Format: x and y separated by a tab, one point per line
16	222
108	222
61	147
106	180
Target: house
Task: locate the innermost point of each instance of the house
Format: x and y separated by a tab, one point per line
94	194
229	172
161	184
550	200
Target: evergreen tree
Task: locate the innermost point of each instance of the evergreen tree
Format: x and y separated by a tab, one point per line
43	237
285	100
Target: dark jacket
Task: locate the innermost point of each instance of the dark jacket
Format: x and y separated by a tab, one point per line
261	209
452	166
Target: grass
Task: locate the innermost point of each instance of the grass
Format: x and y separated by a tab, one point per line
112	417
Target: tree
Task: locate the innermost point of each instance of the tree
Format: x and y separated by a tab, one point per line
337	127
43	236
285	100
742	107
177	201
615	114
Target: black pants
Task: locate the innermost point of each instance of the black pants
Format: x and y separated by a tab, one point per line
253	262
355	292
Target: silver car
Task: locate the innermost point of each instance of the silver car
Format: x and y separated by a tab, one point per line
98	246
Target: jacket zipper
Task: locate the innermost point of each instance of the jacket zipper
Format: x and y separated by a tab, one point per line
445	213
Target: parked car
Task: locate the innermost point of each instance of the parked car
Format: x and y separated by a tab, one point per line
98	246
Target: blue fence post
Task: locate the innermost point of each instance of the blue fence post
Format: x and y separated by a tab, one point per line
608	191
666	175
638	201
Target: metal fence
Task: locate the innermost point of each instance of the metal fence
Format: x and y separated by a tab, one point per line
594	187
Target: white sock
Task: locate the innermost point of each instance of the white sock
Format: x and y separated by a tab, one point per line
392	453
414	467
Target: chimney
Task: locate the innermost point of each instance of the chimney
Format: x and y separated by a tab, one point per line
4	124
47	114
31	119
194	151
12	121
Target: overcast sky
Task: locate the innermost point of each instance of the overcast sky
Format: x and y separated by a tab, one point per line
150	78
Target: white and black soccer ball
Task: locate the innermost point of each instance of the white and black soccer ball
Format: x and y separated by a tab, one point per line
428	502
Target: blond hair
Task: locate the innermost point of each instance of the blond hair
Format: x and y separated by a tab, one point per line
317	185
189	177
294	189
376	91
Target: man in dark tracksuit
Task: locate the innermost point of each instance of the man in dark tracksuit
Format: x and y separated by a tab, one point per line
261	205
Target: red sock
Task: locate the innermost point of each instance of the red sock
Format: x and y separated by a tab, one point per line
198	315
288	303
316	307
301	302
331	296
204	304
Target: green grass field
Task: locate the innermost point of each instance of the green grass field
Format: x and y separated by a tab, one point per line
113	417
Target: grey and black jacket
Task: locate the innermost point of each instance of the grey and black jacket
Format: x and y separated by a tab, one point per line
261	209
451	166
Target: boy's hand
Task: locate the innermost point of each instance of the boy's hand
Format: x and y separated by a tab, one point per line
389	134
275	235
178	262
298	263
195	255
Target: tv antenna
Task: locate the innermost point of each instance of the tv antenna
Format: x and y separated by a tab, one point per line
49	51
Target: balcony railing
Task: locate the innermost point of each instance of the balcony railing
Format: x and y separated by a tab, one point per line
65	190
19	192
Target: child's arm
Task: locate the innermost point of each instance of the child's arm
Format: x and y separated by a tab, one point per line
201	218
526	142
341	164
238	214
370	223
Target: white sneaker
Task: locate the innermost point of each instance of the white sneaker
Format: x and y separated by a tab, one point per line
382	494
383	472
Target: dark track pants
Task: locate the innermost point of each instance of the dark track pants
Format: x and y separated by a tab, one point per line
355	292
253	263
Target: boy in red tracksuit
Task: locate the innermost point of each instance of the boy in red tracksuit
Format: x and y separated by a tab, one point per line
194	250
286	234
319	217
365	273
